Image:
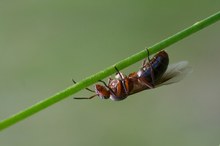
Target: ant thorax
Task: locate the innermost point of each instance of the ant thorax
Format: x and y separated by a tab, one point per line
119	88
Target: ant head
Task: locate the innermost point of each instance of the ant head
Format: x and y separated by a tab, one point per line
102	92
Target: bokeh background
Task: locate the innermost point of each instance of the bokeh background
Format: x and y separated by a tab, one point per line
46	43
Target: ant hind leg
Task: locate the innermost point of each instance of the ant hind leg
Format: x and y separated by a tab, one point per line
151	68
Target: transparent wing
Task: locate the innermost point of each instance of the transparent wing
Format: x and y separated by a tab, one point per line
175	72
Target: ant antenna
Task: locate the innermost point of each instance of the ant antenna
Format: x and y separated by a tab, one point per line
85	97
85	88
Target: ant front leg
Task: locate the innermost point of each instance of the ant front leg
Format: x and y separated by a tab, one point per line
111	91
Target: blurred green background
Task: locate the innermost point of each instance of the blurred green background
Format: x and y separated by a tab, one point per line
46	43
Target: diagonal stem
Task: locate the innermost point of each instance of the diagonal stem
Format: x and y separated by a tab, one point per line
107	72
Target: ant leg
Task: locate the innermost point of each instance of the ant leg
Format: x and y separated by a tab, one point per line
144	63
109	80
85	97
122	80
148	54
103	83
151	68
107	87
85	88
147	84
118	72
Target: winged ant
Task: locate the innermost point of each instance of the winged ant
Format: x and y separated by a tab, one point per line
153	73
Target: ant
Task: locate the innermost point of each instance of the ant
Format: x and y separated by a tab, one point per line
152	74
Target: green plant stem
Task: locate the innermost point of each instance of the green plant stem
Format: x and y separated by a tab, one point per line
107	72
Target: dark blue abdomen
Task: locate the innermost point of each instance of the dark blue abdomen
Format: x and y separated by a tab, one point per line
159	65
